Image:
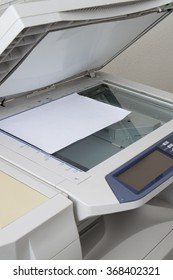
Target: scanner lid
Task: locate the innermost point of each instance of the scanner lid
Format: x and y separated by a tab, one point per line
46	42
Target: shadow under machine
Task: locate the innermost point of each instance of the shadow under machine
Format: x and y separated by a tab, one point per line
86	159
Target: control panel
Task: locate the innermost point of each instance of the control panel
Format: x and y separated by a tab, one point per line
144	173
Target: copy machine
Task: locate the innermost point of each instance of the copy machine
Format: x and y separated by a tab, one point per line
107	194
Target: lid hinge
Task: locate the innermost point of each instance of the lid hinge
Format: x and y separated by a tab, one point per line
166	8
91	74
2	101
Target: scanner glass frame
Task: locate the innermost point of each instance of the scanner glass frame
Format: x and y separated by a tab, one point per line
146	116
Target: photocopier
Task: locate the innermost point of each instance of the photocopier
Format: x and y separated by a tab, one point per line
109	193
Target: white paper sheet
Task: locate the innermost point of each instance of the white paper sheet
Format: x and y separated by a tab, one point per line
55	125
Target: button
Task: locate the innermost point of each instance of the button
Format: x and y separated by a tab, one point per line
165	143
170	145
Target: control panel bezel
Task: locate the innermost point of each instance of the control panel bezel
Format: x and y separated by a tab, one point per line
124	191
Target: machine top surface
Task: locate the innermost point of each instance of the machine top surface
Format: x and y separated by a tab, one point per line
42	44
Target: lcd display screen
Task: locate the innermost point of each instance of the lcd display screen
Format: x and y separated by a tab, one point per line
146	170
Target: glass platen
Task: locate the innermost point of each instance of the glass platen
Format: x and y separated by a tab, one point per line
89	152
